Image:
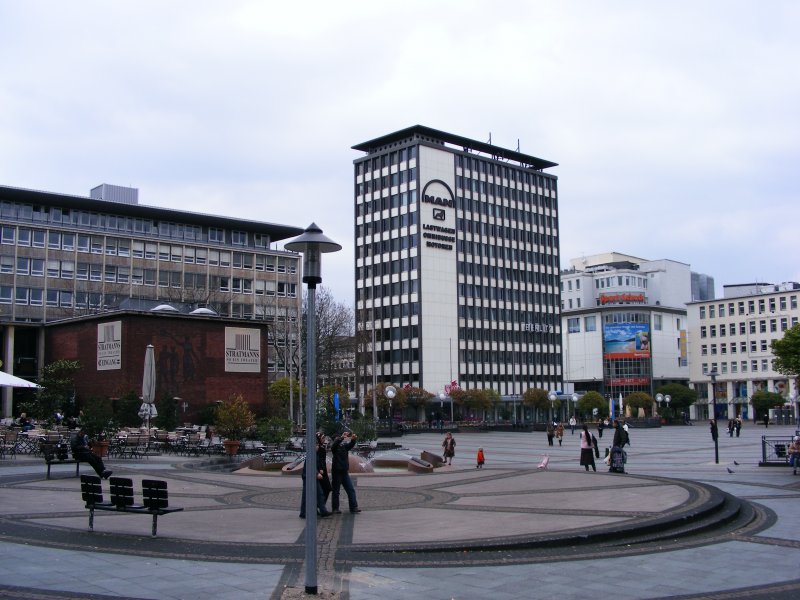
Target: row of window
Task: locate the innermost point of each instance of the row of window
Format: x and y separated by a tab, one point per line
590	324
755	346
493	169
110	246
83	300
467	187
387	224
386	246
384	161
403	265
621	368
617	281
120	223
722	309
398	288
574	324
386	202
528	320
380	182
746	327
166	279
65	269
514	255
765	364
516	297
507	337
475	206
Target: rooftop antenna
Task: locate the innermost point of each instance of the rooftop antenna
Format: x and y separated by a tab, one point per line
490	137
517	144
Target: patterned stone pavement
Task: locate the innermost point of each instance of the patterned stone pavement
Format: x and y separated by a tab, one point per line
507	531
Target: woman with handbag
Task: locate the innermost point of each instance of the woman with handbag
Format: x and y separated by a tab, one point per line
587	449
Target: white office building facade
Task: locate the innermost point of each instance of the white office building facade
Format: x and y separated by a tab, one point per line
456	260
731	337
624	324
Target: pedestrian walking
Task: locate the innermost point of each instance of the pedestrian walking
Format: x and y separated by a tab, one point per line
738	425
572	423
712	425
560	432
587	449
449	448
794	454
550	434
600	428
481	458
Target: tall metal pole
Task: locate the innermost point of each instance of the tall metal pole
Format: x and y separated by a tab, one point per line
311	445
713	375
312	244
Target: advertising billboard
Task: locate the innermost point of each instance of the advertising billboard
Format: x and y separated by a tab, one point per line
626	340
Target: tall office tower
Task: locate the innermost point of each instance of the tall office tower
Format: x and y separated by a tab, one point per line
457	266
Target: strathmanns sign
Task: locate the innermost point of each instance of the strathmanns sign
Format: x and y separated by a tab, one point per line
622	298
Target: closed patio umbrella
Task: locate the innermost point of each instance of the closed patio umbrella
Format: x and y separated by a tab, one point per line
148	408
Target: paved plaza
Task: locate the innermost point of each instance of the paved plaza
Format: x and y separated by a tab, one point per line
506	531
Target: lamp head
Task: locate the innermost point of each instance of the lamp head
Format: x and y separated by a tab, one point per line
312	244
390	391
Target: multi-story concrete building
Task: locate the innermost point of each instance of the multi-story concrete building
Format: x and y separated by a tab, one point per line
65	256
624	323
456	259
731	337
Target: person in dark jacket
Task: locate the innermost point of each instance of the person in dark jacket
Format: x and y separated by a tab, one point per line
620	435
322	465
82	452
340	469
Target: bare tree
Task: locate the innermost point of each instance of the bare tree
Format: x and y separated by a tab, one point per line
334	332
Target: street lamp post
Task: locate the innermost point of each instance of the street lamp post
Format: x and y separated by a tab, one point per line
390	392
574	403
552	396
312	244
713	375
661	398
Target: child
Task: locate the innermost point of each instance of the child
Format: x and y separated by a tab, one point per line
480	458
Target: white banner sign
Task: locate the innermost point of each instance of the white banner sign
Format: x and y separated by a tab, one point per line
109	346
242	350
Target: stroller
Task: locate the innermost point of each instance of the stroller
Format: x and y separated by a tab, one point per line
617	461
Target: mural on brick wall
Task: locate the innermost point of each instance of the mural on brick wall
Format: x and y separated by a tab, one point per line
178	360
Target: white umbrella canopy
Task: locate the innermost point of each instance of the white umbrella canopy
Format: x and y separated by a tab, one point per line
148	409
8	380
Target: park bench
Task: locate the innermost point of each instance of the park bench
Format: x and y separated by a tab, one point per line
54	455
155	499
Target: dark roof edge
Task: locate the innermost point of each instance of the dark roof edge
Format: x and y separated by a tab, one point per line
466	144
275	231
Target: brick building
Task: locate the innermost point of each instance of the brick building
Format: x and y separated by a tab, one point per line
199	359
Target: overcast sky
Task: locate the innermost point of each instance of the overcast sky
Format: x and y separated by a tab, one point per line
676	125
